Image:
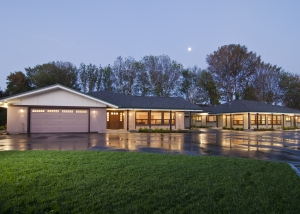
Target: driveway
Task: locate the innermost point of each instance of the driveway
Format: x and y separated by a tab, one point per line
276	146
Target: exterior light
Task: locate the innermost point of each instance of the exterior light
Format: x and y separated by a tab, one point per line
5	104
22	110
94	112
179	114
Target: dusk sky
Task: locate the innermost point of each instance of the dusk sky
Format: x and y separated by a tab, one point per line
97	32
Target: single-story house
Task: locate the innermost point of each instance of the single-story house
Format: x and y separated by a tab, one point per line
248	115
58	108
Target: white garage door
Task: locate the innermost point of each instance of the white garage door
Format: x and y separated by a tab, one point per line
59	120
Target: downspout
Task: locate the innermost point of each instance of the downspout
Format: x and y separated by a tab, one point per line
190	121
127	120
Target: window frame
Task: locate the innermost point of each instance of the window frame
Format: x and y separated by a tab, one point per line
236	121
163	122
211	121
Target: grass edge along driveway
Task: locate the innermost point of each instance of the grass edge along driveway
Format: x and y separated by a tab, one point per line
123	182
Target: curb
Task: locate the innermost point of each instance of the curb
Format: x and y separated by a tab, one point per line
295	167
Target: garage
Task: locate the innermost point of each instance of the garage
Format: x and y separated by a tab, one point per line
44	120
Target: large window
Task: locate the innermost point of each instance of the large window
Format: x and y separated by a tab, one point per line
141	118
288	118
156	118
167	118
261	119
198	118
238	119
276	120
211	118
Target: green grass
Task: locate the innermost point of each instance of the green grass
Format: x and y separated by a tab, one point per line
123	182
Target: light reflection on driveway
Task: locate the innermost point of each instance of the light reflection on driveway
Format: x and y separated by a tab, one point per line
277	145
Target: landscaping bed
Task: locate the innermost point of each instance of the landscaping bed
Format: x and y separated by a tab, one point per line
129	182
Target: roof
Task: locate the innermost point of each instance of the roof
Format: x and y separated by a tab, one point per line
116	100
139	102
249	106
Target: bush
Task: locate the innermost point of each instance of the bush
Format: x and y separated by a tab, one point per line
264	129
3	127
290	128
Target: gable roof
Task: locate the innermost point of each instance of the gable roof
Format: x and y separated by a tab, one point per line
139	102
51	88
249	106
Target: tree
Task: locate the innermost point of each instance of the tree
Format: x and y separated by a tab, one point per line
125	72
17	82
208	84
263	85
107	78
164	75
290	87
231	66
64	73
3	111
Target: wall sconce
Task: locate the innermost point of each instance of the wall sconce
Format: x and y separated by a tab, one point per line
179	114
22	110
129	114
5	104
94	112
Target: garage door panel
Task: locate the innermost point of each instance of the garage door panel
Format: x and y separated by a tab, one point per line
52	122
70	120
38	122
38	116
53	116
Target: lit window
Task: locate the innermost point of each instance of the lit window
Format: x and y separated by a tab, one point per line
121	116
53	111
67	111
107	116
38	110
141	118
198	118
211	118
238	119
81	111
287	118
167	118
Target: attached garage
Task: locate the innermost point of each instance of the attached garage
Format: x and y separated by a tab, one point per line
43	120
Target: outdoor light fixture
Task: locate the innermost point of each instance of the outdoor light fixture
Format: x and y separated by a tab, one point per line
5	104
179	114
22	110
94	112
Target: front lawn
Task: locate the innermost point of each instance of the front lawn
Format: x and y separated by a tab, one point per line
131	182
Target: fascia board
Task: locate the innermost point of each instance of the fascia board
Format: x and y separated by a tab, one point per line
152	109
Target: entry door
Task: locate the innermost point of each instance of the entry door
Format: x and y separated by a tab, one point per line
115	120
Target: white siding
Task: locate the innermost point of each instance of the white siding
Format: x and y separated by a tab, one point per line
17	119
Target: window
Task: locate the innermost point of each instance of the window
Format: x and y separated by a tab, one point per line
81	111
298	119
107	116
67	111
276	120
198	118
141	118
288	118
253	119
211	118
121	116
53	111
167	118
156	118
38	110
238	119
261	119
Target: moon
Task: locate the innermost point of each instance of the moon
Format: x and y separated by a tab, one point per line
189	48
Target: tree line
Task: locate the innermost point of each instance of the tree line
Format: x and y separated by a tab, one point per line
232	73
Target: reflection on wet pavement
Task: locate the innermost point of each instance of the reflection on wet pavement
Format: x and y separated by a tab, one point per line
279	145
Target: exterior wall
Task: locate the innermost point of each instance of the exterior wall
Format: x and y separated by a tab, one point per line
57	97
98	120
17	121
179	120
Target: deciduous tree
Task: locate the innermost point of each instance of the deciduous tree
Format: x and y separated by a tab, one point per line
231	66
17	82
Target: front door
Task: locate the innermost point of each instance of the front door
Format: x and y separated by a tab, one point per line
114	120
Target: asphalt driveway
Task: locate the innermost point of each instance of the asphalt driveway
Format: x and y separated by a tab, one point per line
276	146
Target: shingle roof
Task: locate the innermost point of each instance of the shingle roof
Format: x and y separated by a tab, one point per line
248	106
138	102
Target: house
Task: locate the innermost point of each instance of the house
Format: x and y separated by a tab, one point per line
248	115
58	108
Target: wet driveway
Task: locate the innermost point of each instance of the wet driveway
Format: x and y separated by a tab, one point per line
277	146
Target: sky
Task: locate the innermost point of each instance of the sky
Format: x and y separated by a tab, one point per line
97	32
